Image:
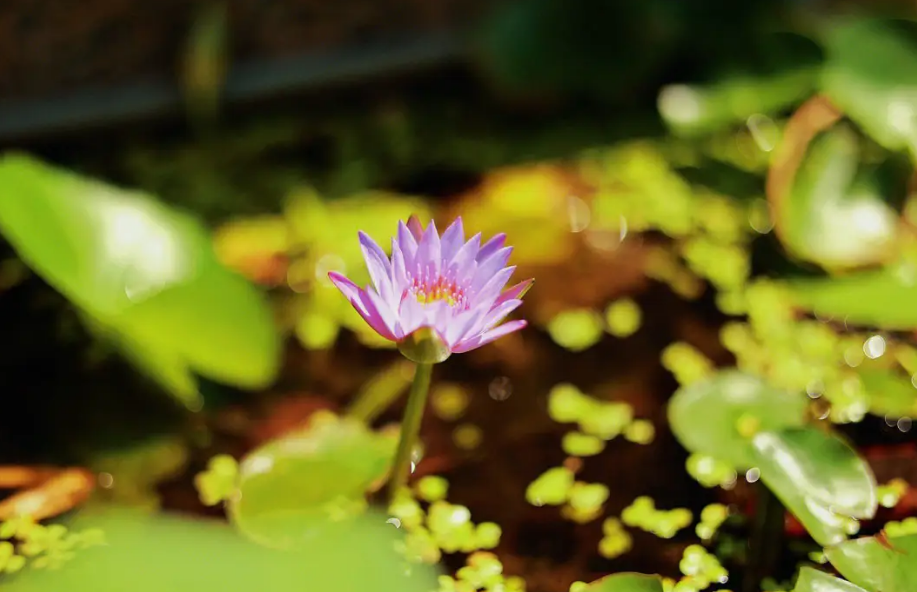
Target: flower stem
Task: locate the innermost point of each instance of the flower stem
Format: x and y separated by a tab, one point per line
410	428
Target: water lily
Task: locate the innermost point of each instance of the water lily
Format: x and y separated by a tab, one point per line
436	295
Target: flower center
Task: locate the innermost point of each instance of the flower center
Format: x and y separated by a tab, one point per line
427	291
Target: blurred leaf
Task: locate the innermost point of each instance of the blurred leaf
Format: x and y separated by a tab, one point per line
627	582
832	216
291	489
136	470
890	392
879	298
818	477
705	415
871	74
812	580
166	553
878	566
784	71
141	270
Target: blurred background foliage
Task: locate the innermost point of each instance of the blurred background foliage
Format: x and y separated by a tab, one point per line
755	162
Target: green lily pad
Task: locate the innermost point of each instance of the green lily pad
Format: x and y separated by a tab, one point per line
880	298
819	478
145	272
890	393
155	553
627	582
832	216
871	74
812	580
704	415
886	566
292	488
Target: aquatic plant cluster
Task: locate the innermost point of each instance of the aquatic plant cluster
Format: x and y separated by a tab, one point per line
802	240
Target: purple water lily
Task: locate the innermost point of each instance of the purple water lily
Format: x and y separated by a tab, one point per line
442	283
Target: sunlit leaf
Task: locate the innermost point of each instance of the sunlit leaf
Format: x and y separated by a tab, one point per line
627	582
885	565
818	477
140	269
292	488
812	580
831	216
871	74
705	415
157	553
880	298
786	72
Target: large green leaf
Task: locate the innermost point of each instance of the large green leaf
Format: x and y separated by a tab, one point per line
871	74
812	580
704	416
291	488
145	272
831	216
880	298
818	477
627	582
878	566
159	553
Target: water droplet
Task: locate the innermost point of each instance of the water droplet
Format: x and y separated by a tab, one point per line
890	421
874	347
853	356
759	217
500	389
413	467
764	131
753	475
904	424
815	388
106	480
394	521
326	263
578	214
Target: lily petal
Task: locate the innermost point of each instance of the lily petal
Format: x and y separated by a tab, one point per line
517	291
452	239
485	338
380	269
491	246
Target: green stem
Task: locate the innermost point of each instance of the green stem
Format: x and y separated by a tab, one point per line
410	427
766	539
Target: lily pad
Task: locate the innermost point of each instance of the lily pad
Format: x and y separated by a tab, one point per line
885	565
704	415
154	553
833	216
627	582
144	271
819	478
871	74
812	580
880	298
292	488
